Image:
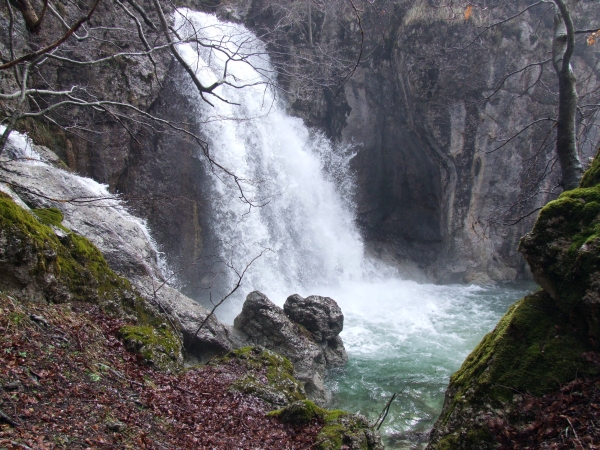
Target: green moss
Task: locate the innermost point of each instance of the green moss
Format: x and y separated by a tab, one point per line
76	268
566	237
331	437
158	346
534	348
339	427
346	431
592	176
50	216
473	439
303	411
280	388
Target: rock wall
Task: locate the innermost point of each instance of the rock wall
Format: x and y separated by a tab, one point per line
432	190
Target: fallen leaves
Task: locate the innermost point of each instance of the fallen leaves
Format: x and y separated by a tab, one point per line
566	419
72	384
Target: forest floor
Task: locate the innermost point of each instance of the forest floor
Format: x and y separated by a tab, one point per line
66	381
568	418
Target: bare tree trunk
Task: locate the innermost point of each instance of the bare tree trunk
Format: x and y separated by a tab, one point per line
31	18
566	141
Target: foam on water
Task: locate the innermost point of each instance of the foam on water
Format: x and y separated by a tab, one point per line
407	337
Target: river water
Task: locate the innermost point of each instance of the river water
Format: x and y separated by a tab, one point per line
407	337
296	208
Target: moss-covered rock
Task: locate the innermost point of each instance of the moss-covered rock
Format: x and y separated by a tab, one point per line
303	411
42	260
563	251
340	429
351	431
157	345
68	267
592	176
534	349
541	341
270	376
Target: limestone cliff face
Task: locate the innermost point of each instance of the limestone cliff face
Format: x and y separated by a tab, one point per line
432	187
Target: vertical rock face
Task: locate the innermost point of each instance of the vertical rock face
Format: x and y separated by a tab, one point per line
266	324
435	182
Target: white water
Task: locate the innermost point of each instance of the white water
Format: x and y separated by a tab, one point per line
396	330
307	220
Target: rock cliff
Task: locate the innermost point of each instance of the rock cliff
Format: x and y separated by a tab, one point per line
431	189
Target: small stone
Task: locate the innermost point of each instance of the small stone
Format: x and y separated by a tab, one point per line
12	386
115	426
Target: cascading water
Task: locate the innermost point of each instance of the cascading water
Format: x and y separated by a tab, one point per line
400	335
306	219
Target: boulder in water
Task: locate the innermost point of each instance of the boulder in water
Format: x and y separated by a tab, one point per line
320	315
323	318
266	324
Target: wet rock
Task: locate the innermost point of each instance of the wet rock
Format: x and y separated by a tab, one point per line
335	353
323	318
320	315
267	324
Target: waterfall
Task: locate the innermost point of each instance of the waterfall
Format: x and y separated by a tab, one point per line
298	179
400	335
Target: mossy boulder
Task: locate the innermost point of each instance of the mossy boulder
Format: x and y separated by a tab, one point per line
340	429
64	266
543	341
563	251
270	376
534	349
348	431
42	260
157	345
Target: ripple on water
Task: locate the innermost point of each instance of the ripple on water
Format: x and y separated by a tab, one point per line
406	337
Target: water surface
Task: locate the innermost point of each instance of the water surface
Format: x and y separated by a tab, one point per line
406	337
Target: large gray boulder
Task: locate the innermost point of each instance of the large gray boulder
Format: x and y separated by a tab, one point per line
266	324
323	318
320	315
